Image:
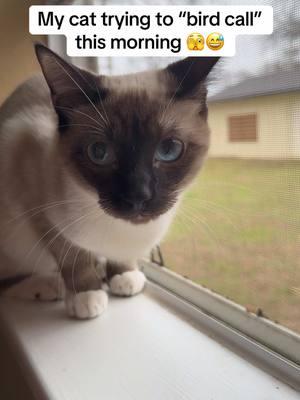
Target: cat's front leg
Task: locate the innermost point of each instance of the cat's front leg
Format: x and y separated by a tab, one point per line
83	275
86	305
124	280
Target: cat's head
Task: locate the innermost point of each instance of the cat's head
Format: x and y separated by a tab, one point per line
136	140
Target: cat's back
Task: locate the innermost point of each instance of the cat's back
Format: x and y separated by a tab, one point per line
27	130
29	107
28	126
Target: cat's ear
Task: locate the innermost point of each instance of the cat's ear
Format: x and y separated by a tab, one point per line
189	73
68	84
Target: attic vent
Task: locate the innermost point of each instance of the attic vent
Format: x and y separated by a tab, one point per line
242	128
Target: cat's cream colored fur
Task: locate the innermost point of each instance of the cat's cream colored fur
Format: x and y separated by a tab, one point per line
33	184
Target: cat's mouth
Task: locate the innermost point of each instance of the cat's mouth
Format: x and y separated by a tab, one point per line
135	216
140	219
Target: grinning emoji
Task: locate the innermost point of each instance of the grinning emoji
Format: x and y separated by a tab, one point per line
215	41
195	41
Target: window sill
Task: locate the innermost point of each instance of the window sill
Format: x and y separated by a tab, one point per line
273	335
146	347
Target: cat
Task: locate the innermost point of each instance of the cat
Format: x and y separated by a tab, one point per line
92	169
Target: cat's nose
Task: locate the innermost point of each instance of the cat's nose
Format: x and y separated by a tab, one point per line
138	198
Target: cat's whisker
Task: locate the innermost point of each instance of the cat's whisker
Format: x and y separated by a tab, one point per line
213	206
54	228
62	252
27	218
73	270
196	209
183	221
65	256
58	202
205	227
196	219
85	125
184	227
81	218
98	133
230	184
177	89
59	262
96	86
80	88
99	123
74	262
102	105
196	238
242	213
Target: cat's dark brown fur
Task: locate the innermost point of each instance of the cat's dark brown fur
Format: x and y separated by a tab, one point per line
133	121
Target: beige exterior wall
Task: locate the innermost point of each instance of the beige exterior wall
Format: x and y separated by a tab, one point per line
18	61
278	121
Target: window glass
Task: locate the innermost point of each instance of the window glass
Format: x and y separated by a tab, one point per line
238	229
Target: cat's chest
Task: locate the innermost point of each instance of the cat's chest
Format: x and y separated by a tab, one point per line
117	239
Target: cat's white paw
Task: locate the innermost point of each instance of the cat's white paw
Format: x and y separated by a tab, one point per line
38	287
128	283
86	305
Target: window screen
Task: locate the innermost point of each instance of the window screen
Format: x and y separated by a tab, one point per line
237	231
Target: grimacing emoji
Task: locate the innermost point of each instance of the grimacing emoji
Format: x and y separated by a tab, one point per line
215	41
195	41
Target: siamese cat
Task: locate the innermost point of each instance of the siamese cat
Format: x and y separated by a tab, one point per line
91	171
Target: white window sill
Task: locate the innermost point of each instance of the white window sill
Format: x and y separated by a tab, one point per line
141	348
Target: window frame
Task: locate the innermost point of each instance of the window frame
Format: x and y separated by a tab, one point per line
270	344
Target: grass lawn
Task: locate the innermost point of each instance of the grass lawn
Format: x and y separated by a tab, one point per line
238	233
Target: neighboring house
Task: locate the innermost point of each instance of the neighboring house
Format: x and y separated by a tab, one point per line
257	118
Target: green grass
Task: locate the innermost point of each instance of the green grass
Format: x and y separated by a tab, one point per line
238	233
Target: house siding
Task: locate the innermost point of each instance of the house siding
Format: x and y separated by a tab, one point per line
278	127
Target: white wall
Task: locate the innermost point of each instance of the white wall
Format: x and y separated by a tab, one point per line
278	127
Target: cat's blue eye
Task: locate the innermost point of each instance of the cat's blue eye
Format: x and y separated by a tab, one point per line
169	150
101	153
